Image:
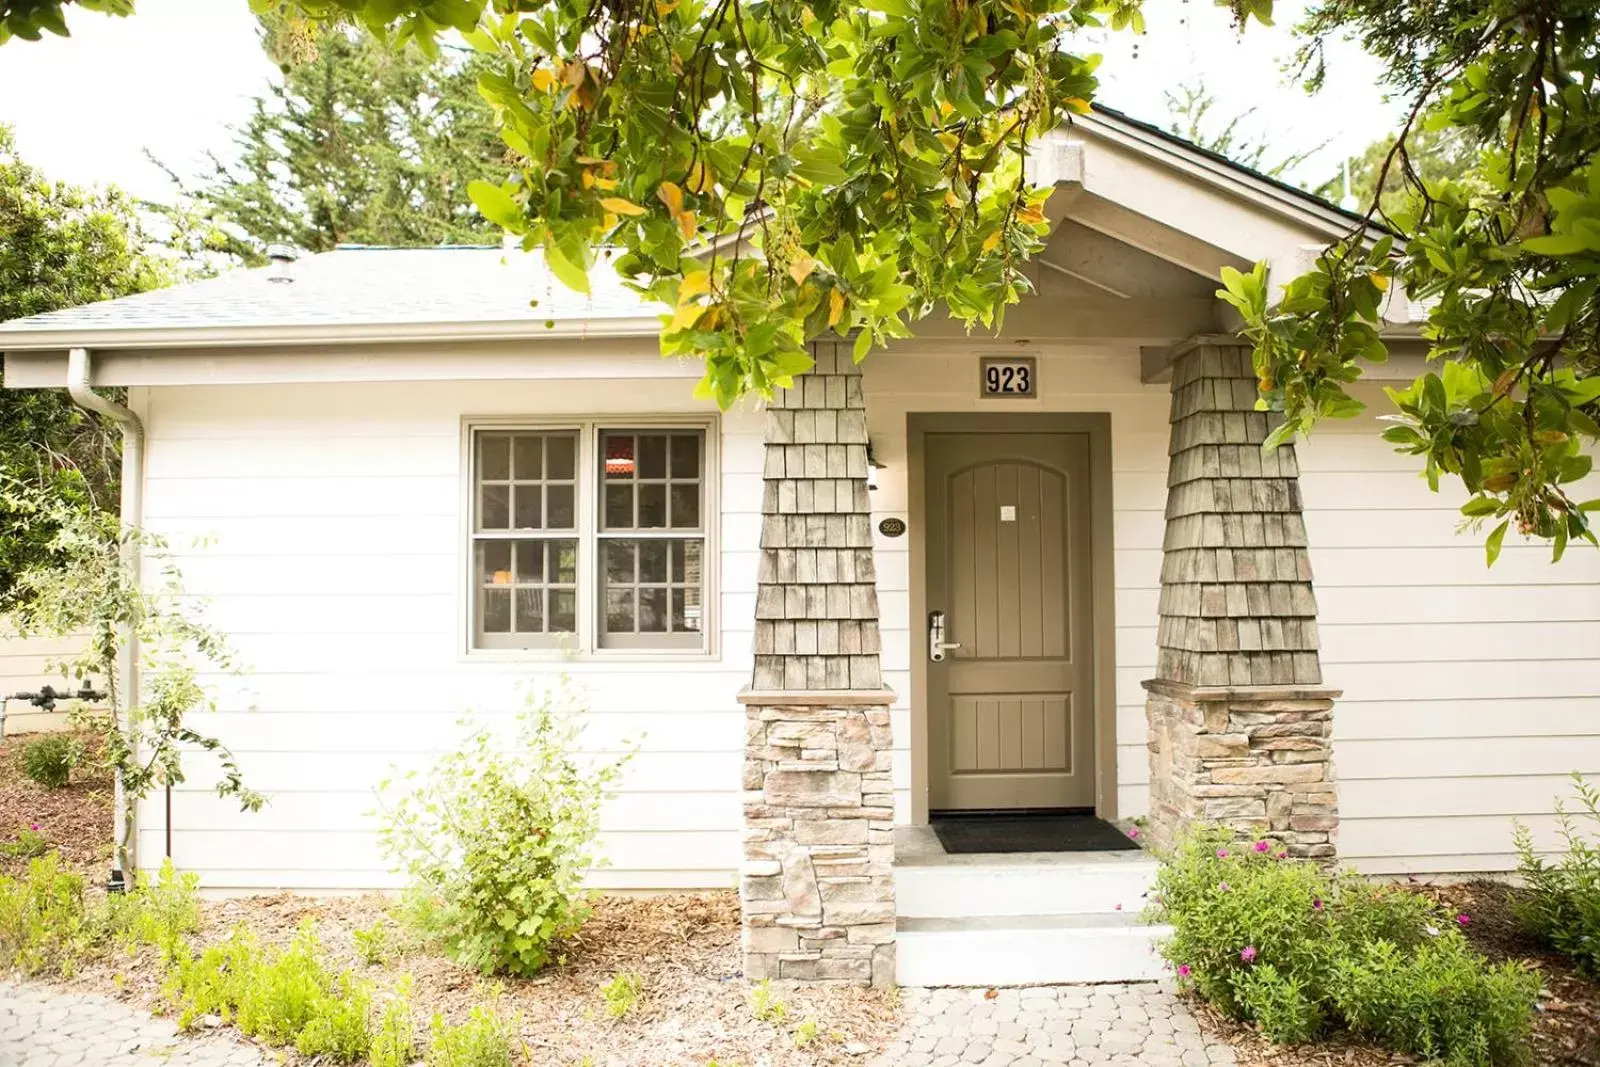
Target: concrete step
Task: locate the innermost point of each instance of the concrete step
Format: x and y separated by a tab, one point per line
1092	883
1026	950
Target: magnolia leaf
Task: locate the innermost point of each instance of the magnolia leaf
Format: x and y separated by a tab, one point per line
496	204
569	273
1492	546
800	268
620	206
835	306
671	195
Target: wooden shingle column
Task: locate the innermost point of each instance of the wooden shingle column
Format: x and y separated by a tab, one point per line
817	888
1240	722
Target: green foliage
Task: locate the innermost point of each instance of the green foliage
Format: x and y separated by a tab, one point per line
394	1040
486	1039
372	943
32	19
84	585
48	760
28	843
283	991
1441	1001
1506	257
1560	902
361	143
621	993
765	1004
340	1026
805	1035
1297	951
161	912
1192	116
499	834
45	926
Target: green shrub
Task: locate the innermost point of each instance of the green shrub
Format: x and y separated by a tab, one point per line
49	760
394	1042
486	1039
1440	1002
621	993
1560	904
45	927
499	841
161	912
372	943
340	1026
212	982
283	991
28	844
1294	950
765	1004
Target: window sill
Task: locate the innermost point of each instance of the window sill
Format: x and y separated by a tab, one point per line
591	660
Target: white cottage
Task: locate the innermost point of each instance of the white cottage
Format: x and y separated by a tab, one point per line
1049	570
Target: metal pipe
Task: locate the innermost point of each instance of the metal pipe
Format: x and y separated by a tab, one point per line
132	515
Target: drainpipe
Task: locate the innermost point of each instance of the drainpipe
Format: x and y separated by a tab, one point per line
78	372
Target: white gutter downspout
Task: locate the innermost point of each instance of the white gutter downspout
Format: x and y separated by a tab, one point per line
78	373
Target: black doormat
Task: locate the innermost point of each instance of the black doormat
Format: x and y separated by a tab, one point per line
1027	832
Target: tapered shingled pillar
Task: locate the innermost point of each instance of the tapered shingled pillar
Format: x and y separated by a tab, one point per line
1240	721
817	888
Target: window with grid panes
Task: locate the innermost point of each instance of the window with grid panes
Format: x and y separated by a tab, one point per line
589	538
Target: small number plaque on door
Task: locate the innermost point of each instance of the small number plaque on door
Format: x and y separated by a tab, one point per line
1008	376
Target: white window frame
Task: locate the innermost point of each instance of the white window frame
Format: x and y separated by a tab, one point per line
585	645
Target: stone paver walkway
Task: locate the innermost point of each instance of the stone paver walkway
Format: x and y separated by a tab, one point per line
1044	1026
44	1027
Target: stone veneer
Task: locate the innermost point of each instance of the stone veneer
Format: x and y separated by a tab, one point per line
1240	723
817	885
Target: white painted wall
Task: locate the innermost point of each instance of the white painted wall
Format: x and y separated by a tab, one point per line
25	665
336	565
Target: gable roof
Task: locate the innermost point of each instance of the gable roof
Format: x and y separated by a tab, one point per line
378	294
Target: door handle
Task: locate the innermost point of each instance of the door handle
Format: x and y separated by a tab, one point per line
937	645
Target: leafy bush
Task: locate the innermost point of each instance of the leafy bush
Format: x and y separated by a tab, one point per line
213	982
765	1004
28	844
49	760
283	990
45	926
499	840
372	944
394	1042
1561	902
486	1039
621	993
1284	945
340	1026
162	911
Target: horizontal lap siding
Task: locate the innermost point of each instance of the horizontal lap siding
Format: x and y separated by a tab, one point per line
944	378
320	525
1469	692
25	665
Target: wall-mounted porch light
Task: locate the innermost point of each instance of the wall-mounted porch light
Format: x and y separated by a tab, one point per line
873	467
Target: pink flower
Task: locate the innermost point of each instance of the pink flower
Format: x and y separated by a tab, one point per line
1223	886
1222	853
1464	919
1263	846
1316	905
1284	854
1248	954
1119	907
33	826
1133	832
1183	970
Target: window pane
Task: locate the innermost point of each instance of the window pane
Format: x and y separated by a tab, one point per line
652	611
495	511
496	611
561	457
653	561
563	611
561	511
686	562
619	507
619	611
617	450
686	610
686	456
686	506
652	507
526	457
652	456
530	562
495	562
529	507
530	611
493	457
619	561
565	569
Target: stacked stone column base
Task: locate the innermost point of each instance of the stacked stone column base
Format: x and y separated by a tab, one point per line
1257	759
817	885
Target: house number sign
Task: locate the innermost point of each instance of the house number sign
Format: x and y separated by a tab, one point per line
1008	377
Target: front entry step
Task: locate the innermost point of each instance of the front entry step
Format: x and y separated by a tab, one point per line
1026	950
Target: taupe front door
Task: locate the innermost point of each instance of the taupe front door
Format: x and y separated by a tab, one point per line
1010	706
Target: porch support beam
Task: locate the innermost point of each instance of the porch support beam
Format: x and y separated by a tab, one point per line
1240	721
817	886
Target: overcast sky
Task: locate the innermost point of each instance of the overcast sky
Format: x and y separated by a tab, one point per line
172	78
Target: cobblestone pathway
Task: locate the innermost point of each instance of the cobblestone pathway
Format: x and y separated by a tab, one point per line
43	1027
1049	1025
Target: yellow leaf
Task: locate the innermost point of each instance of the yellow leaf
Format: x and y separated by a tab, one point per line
1077	104
672	196
701	177
949	140
801	267
686	224
621	206
588	161
605	183
945	107
609	221
835	306
667	7
889	194
1031	214
686	317
543	80
694	283
587	179
1381	281
992	242
573	73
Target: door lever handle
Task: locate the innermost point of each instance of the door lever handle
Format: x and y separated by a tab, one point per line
937	645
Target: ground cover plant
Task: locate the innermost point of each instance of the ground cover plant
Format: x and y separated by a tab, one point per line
49	760
1562	904
1300	953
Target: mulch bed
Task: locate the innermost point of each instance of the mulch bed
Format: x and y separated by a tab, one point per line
1566	1032
76	819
